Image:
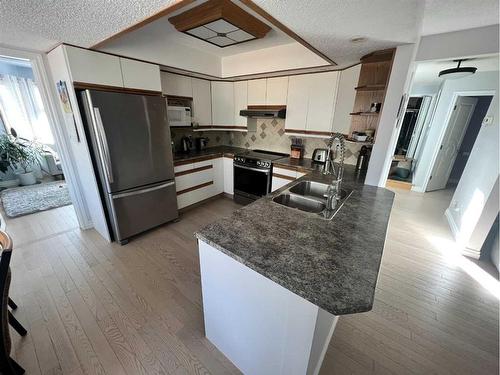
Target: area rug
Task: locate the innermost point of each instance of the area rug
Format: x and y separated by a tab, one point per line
28	199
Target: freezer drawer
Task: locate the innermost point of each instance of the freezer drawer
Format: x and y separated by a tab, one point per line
136	211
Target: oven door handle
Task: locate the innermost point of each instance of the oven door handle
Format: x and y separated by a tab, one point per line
252	169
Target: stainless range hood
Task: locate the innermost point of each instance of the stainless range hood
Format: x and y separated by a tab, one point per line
264	112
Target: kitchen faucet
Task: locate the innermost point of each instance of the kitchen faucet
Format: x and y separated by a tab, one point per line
334	189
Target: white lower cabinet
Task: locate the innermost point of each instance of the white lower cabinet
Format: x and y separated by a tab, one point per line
198	181
228	175
282	177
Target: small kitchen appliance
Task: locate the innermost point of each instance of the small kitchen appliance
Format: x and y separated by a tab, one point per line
178	116
201	143
319	155
186	144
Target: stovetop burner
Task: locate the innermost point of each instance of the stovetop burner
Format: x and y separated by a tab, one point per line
262	155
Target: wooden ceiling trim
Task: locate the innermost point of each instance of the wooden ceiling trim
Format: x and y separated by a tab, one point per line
213	10
257	9
162	13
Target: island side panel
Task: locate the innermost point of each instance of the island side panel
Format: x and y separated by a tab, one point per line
260	326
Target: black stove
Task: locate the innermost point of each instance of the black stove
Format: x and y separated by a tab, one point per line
253	174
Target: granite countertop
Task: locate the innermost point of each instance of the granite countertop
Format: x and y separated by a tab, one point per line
333	264
209	151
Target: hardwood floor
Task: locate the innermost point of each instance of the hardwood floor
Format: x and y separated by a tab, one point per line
96	308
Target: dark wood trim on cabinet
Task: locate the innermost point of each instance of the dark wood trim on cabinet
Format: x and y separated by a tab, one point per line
178	163
269	107
189	171
284	177
169	9
284	166
257	9
93	86
192	188
311	132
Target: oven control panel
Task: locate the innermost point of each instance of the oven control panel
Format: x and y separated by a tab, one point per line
251	162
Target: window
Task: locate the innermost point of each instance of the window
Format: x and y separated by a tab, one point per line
21	106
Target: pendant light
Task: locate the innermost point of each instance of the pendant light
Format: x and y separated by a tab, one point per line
458	72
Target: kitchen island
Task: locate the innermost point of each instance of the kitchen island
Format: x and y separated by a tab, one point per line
275	279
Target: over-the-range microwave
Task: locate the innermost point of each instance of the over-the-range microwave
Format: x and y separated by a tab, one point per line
178	115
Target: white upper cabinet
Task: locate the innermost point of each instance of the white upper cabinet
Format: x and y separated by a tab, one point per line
94	67
297	103
222	103
276	90
240	102
345	99
140	75
322	96
202	102
257	92
176	84
311	103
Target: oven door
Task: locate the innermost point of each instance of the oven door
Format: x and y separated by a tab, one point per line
251	182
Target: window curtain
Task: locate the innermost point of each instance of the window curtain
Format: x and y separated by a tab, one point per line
21	108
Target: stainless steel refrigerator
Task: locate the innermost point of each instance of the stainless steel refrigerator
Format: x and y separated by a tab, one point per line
129	138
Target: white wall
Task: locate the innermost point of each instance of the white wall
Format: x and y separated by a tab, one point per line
477	82
474	205
284	57
471	42
425	88
78	149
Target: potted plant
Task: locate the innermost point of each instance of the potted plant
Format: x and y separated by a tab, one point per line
15	152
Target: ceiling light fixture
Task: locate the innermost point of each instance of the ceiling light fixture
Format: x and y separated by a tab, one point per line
458	72
221	23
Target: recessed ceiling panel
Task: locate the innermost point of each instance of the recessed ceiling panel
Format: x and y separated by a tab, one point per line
221	41
240	36
202	32
221	26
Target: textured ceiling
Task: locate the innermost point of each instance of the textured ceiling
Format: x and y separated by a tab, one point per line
441	16
326	24
41	24
329	25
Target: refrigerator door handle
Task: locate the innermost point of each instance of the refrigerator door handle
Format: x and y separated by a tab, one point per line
142	191
103	145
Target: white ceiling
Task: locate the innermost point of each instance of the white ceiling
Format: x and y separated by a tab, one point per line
426	73
441	16
327	24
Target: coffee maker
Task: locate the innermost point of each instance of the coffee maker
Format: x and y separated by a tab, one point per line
201	143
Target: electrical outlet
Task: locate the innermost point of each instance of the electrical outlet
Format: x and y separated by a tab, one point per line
488	120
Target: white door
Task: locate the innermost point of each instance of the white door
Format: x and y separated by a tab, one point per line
297	103
455	131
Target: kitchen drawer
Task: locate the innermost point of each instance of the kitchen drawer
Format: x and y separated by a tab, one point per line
184	167
195	196
198	177
285	172
278	183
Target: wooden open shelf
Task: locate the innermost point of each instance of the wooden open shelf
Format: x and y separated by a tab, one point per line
364	113
370	88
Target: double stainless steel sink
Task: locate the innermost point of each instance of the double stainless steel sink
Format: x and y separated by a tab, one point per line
311	196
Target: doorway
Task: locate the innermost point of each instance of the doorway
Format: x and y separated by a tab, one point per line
31	175
461	132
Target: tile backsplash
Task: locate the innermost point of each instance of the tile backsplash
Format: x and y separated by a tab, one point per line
270	135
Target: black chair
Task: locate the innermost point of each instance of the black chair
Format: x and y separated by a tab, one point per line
7	365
